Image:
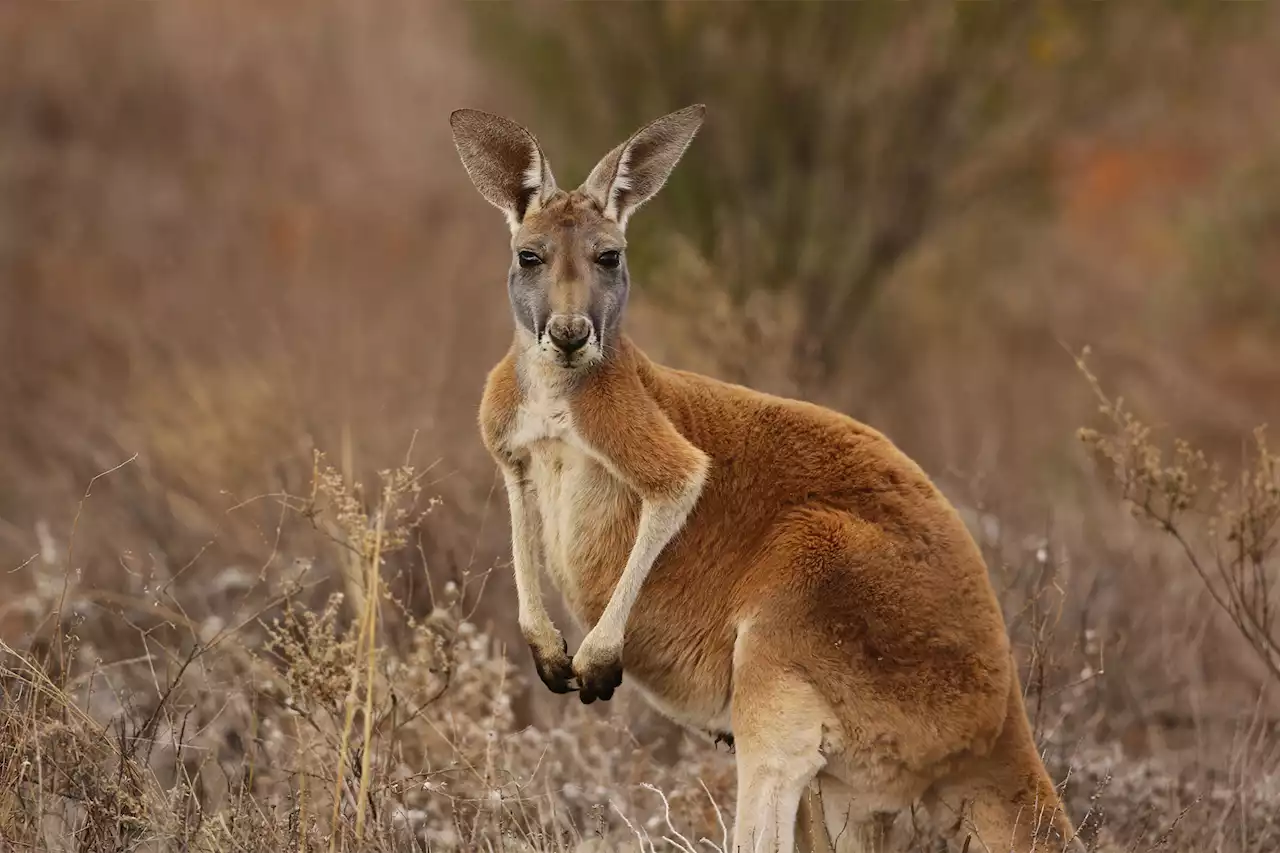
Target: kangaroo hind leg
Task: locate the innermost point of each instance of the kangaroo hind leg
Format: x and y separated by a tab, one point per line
781	727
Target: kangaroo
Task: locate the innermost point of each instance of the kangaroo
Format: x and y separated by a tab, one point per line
770	571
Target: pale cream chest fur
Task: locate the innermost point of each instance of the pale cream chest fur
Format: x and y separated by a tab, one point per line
578	499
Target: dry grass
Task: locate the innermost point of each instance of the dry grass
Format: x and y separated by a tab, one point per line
337	719
316	721
232	236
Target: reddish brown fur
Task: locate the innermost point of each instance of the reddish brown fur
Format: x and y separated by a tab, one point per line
821	599
819	530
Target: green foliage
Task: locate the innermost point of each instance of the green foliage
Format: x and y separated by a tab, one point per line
839	135
1235	265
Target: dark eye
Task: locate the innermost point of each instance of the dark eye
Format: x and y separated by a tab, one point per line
528	259
609	259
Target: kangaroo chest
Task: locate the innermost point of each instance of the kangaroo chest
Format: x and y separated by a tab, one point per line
588	516
588	519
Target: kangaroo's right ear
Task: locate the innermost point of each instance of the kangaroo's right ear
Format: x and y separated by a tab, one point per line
632	173
504	161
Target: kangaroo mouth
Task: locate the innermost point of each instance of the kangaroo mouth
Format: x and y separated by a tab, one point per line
578	359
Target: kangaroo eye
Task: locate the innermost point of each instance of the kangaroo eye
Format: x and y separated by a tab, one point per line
528	259
609	259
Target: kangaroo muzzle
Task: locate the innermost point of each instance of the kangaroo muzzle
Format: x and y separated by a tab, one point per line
569	332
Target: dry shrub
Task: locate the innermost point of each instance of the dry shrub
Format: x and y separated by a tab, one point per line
1131	780
321	720
1225	531
1228	531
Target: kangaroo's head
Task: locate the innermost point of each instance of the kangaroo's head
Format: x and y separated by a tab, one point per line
568	280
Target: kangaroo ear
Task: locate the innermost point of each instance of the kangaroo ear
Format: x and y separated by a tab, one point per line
504	161
632	173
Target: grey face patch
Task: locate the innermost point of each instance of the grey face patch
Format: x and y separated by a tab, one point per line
608	299
581	271
529	300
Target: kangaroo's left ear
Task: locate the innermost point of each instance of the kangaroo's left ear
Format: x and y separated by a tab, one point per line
632	173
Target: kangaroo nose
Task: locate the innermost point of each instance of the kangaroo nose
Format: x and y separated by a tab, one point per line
569	334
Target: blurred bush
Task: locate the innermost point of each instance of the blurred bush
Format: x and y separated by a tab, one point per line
841	138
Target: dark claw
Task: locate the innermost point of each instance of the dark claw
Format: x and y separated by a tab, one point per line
600	683
556	672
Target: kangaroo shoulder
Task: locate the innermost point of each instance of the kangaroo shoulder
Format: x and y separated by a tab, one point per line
500	406
620	417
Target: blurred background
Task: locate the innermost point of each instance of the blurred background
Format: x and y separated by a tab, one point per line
235	233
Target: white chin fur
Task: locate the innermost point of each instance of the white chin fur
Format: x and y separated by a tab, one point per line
591	353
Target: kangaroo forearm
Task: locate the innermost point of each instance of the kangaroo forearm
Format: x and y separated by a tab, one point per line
645	452
526	555
660	521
